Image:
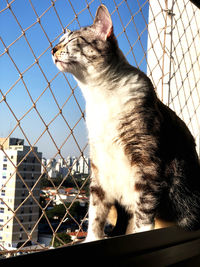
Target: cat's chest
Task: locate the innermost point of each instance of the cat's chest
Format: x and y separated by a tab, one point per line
114	168
115	174
103	123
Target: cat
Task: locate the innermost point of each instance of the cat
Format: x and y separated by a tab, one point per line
143	156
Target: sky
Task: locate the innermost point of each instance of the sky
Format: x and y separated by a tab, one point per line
28	77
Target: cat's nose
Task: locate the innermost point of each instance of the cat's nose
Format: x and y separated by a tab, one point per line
53	51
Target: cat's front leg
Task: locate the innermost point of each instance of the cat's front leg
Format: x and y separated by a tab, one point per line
98	213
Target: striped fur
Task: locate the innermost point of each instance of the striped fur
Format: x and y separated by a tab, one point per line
143	156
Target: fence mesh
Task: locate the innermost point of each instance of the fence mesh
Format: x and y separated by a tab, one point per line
44	107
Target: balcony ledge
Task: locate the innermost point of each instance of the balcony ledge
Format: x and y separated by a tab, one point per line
162	247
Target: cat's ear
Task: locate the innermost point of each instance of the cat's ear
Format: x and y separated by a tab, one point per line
103	23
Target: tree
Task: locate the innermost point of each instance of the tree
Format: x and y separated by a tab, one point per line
60	239
57	211
77	211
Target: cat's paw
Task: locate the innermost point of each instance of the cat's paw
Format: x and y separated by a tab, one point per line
91	239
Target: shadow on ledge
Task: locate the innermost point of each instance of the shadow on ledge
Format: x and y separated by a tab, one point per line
162	247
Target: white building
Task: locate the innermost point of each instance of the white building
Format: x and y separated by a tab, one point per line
19	172
63	167
51	168
84	165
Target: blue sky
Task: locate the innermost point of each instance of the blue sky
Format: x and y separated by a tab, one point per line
42	83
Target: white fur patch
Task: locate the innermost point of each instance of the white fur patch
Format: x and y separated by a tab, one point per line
103	112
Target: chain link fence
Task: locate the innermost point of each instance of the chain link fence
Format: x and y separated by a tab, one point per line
44	158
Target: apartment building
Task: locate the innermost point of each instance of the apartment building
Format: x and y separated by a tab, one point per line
20	169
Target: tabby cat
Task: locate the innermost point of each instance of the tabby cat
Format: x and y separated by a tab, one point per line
143	157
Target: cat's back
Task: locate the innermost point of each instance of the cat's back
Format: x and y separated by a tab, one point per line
180	161
174	132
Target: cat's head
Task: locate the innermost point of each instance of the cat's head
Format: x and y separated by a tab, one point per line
89	49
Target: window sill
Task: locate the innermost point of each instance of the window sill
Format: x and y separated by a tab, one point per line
162	247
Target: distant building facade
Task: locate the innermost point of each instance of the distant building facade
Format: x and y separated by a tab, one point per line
62	167
19	168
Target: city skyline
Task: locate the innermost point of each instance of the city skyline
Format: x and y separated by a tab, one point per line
24	178
64	167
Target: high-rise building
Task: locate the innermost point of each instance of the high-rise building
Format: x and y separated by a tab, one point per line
84	165
20	168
